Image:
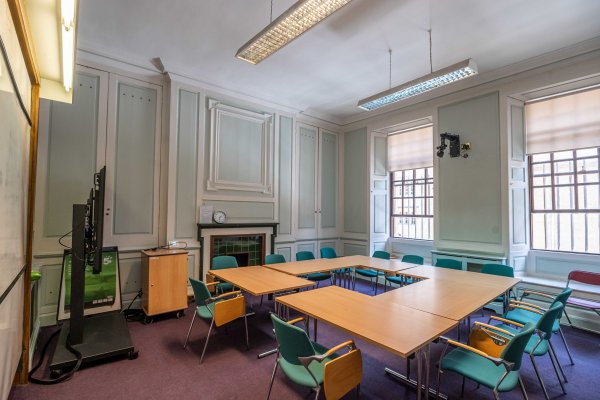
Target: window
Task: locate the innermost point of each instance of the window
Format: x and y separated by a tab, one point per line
565	193
412	203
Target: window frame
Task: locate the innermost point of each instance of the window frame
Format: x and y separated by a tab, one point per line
553	186
429	178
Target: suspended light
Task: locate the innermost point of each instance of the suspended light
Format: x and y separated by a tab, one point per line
67	10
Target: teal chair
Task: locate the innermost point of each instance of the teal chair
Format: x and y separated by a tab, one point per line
329	252
499	372
311	365
539	345
448	263
224	262
401	280
523	312
274	259
369	273
317	276
499	270
219	310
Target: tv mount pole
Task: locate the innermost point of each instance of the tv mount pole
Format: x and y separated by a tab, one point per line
78	257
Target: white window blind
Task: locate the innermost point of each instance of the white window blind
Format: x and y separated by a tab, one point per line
564	123
410	149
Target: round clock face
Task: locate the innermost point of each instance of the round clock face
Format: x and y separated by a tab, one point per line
219	217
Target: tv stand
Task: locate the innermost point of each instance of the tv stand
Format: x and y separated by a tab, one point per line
104	336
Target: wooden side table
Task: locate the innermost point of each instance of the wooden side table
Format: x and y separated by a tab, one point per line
164	282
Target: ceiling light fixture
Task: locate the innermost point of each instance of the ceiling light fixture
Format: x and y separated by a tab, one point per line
433	80
67	14
299	18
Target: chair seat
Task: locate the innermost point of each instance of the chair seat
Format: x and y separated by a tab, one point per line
574	301
298	374
395	279
540	350
479	369
318	276
524	316
369	273
206	312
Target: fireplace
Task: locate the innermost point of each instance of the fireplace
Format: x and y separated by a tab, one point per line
248	249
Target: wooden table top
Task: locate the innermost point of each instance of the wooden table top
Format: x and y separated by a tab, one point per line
163	252
501	283
306	266
399	329
259	281
378	264
444	298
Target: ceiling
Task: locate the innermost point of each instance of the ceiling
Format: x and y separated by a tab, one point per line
344	58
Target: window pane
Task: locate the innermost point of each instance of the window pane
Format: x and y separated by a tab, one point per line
419	190
588	197
565	198
587	152
565	226
538	230
593	233
542	199
563	155
564	180
542	181
397	191
408	208
420	173
587	178
587	165
563	166
540	157
408	174
579	232
397	175
541	169
430	172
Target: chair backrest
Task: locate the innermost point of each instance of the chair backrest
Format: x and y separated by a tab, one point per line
328	252
381	254
201	292
342	374
562	299
589	278
546	321
513	352
413	259
305	255
498	269
274	259
228	310
223	262
448	263
293	341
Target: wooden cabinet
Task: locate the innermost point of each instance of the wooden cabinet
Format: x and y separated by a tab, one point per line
164	281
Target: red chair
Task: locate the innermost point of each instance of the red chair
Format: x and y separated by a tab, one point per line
587	278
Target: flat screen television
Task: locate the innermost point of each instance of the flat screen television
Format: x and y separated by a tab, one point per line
97	213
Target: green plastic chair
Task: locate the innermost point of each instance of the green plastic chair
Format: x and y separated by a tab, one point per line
539	345
523	312
317	276
369	273
328	252
274	259
448	263
224	262
312	365
401	280
501	374
220	310
499	270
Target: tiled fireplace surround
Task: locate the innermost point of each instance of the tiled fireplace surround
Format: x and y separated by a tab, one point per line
253	242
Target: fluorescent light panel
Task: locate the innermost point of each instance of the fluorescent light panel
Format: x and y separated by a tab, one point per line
299	18
442	77
67	11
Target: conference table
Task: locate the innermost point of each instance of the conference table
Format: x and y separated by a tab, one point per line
399	329
405	320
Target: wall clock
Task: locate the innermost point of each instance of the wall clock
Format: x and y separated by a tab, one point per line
219	217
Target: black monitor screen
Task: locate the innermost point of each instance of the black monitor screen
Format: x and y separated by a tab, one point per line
98	218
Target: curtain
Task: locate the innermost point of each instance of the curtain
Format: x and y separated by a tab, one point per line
410	149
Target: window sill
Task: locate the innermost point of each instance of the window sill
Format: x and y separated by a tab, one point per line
560	284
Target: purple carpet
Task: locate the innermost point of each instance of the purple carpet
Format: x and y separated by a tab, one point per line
164	370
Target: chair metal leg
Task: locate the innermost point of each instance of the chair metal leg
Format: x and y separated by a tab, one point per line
358	391
537	373
376	284
207	338
439	379
523	388
273	376
462	388
247	338
566	345
261	300
189	330
567	316
318	392
552	357
558	362
496	395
